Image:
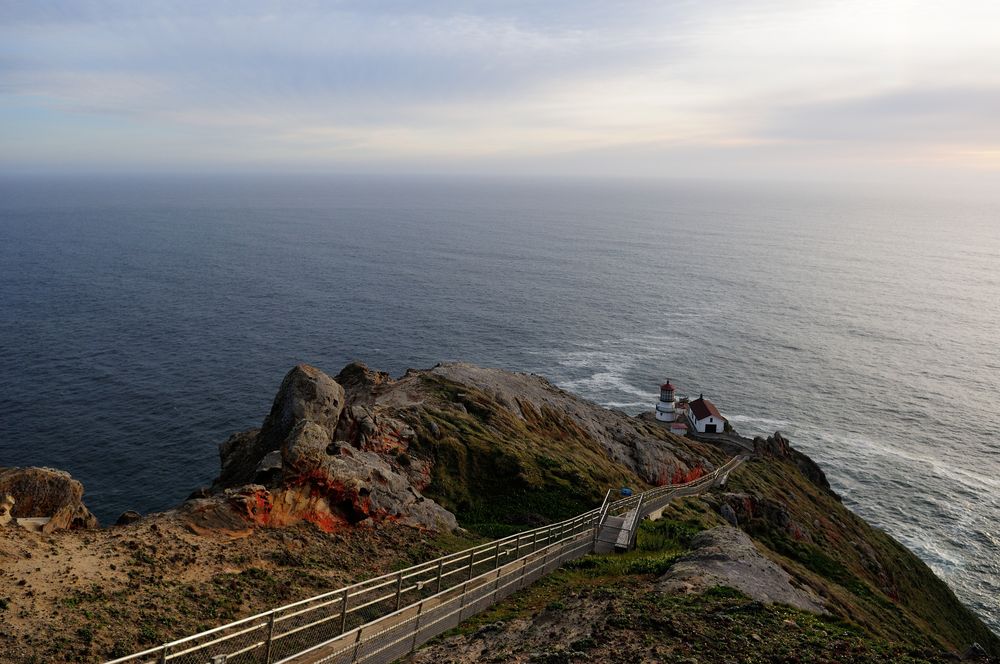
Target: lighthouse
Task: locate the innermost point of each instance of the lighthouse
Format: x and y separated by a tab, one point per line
665	407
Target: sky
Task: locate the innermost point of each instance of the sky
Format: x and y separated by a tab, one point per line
897	90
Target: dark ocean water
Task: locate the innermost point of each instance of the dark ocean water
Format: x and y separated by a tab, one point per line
142	321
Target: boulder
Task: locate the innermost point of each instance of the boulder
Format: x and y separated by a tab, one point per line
268	471
306	394
726	556
45	493
361	383
127	517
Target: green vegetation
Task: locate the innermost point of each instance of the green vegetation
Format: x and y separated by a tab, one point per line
635	621
867	576
499	473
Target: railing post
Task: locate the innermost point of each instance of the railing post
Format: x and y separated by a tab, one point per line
162	657
496	587
343	612
496	557
357	645
416	627
440	569
517	552
472	560
270	638
461	606
399	590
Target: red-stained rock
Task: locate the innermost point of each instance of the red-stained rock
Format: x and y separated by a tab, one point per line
292	470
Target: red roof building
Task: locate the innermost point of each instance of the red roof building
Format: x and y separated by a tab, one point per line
705	417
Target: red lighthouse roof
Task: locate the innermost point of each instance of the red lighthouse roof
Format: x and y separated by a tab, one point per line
668	386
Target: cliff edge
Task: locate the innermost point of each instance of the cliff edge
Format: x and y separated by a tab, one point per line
354	475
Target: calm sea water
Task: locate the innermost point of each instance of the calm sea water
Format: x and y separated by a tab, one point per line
142	321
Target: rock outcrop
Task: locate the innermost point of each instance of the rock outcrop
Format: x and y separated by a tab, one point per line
45	493
306	394
778	446
299	466
365	446
127	517
726	556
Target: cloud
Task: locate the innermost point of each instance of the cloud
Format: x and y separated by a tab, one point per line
913	115
755	86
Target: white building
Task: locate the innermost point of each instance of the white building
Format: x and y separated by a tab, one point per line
665	407
705	417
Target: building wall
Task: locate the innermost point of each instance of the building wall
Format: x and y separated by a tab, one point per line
699	425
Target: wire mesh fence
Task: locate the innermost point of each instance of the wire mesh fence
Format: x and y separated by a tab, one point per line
395	635
381	619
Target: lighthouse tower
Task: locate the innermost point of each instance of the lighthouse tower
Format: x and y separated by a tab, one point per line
665	407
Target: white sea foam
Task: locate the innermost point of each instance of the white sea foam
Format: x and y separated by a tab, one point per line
766	422
602	383
626	404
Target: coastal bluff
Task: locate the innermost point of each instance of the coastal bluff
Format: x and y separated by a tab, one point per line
353	475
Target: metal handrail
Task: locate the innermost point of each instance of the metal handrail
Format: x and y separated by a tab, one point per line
408	583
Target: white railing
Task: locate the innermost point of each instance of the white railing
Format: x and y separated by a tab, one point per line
372	620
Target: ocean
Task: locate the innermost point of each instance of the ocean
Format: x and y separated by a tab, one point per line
143	320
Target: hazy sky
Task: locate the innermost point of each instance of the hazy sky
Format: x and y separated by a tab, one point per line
906	90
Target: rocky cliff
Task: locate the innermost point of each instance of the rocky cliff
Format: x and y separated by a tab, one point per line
352	475
363	447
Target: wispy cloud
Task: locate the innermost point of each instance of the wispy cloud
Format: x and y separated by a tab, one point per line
755	88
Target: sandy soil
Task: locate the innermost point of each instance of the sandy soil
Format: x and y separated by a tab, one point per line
88	595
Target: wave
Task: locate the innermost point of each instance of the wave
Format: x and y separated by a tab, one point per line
629	404
603	382
766	421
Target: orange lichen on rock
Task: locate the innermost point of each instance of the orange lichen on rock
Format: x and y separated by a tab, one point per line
679	475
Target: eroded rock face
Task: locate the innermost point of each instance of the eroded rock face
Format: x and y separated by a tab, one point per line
297	467
306	394
745	509
46	493
239	458
726	556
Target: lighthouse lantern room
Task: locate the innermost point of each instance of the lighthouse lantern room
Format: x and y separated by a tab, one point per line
666	407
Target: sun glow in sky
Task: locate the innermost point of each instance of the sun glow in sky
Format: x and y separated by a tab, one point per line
856	89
